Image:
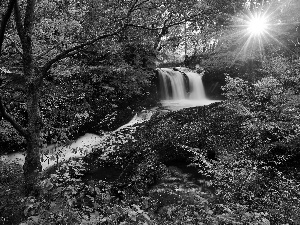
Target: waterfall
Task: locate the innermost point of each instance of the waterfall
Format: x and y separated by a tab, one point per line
197	91
172	85
180	85
181	88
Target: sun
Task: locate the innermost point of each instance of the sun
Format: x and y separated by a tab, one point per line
258	29
257	25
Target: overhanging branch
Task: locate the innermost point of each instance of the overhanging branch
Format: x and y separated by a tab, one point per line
166	25
71	51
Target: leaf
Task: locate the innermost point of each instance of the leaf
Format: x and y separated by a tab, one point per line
98	191
210	212
47	185
96	205
35	219
70	202
54	207
264	221
146	203
132	215
58	190
26	210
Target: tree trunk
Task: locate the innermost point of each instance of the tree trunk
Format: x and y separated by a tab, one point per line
32	166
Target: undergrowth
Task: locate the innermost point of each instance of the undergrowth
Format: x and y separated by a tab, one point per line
247	188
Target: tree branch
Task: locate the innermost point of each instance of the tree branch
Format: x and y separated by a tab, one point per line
69	51
19	25
164	25
143	27
29	17
131	8
11	120
141	3
5	19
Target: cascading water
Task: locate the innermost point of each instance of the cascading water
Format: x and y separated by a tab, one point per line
172	85
181	88
180	84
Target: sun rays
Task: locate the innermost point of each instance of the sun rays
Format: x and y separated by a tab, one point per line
256	32
254	29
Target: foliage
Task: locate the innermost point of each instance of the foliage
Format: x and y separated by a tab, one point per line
267	105
245	189
69	200
9	138
264	163
11	194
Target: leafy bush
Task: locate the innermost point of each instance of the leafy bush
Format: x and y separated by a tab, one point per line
248	189
10	140
11	195
256	175
267	106
115	93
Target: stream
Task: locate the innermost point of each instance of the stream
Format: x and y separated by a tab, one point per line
175	95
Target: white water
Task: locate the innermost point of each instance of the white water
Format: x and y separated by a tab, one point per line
138	118
174	92
196	87
176	83
78	148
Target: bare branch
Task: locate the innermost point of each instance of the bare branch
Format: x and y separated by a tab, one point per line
5	20
143	27
11	120
131	8
134	6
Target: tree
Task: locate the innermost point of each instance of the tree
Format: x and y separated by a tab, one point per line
39	55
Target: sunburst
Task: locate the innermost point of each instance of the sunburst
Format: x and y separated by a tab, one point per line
257	30
254	29
257	25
